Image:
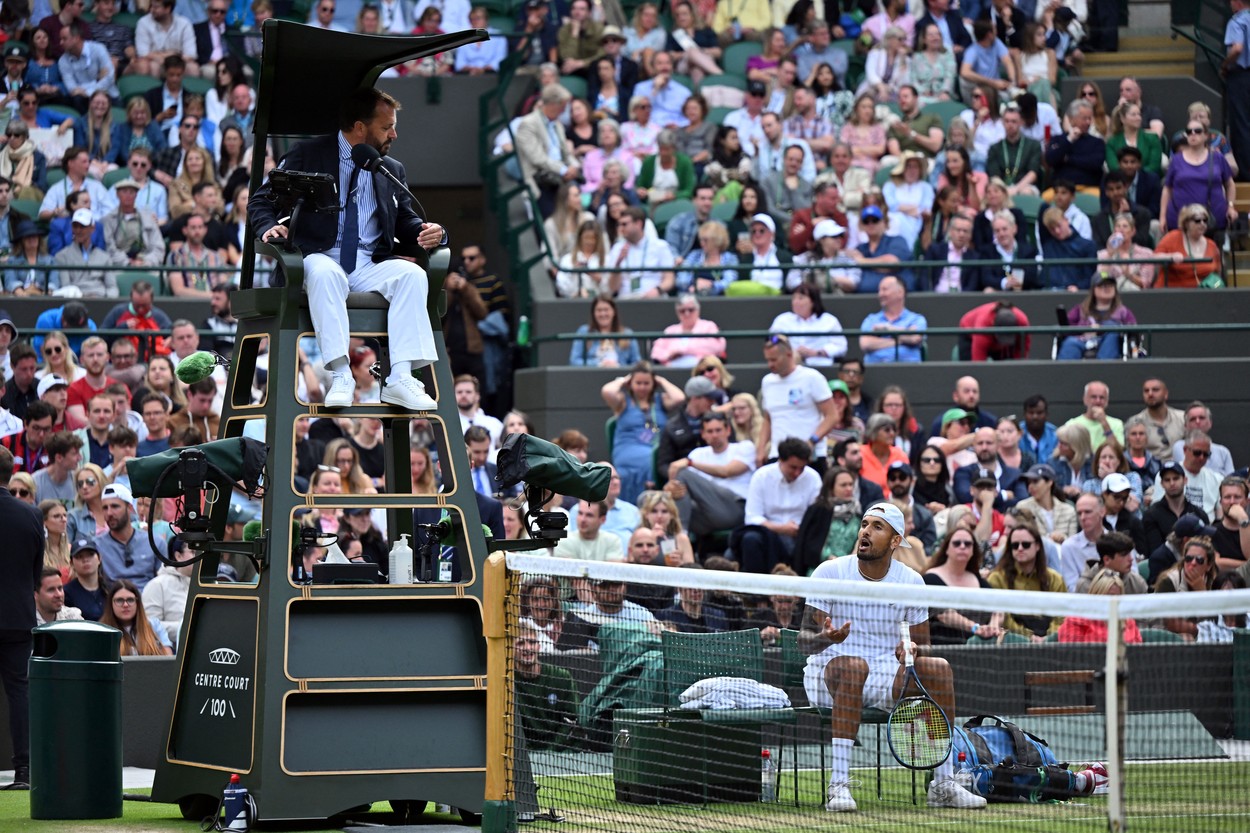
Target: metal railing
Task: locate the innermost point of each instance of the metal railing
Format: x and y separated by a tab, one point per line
646	337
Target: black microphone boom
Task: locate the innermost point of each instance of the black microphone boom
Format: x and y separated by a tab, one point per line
369	159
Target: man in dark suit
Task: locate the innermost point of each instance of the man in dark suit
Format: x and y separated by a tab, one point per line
20	569
613	43
210	38
951	25
1018	269
1144	188
353	251
955	248
477	442
1012	488
168	100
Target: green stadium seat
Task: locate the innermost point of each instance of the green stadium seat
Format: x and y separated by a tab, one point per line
724	211
736	82
793	662
686	81
55	175
113	177
716	115
28	207
1029	205
125	280
882	176
129	86
198	86
944	110
736	56
667	211
1090	204
127	19
574	84
1160	635
119	114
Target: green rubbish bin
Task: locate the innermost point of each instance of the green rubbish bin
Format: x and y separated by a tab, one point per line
76	722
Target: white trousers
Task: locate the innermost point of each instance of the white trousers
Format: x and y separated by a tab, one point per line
404	285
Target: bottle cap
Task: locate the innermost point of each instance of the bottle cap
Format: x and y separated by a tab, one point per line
766	754
234	778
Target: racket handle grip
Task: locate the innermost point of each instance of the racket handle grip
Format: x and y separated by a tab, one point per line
904	632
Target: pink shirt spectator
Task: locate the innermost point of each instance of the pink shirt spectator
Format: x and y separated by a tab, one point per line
689	345
592	167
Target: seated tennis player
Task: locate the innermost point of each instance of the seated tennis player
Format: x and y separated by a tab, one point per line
855	655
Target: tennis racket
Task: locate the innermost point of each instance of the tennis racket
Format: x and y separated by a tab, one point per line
918	730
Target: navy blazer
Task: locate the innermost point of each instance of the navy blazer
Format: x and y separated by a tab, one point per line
959	35
927	279
983	229
1010	481
990	277
624	87
317	231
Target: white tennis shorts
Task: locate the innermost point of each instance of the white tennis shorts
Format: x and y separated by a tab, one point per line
878	687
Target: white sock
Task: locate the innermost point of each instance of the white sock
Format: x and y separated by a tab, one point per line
338	365
401	369
840	764
946	769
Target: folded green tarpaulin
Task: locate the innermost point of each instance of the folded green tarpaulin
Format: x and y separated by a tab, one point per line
240	458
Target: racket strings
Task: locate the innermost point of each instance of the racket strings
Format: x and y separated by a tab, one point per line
919	733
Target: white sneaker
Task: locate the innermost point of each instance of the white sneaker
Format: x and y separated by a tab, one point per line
409	394
838	798
948	793
342	391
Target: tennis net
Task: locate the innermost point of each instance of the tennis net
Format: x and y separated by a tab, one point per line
652	698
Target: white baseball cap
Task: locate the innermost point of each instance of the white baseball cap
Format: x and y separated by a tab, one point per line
828	228
83	217
1116	482
48	382
892	515
766	220
117	491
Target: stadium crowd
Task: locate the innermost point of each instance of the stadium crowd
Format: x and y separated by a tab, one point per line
819	153
822	152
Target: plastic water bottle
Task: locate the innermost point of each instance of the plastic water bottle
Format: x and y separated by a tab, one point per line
768	777
523	331
400	567
963	774
234	805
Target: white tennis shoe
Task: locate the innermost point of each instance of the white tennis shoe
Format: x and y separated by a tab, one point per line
409	394
838	798
341	392
948	793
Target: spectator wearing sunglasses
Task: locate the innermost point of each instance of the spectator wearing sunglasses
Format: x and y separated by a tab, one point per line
1195	572
1202	483
1198	417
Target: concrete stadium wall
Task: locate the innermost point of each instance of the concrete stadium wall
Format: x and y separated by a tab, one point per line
557	398
1171	306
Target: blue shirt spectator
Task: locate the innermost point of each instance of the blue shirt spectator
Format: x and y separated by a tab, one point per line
881	245
72	316
893	316
1065	244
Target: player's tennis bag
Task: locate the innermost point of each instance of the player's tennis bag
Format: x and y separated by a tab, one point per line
1010	764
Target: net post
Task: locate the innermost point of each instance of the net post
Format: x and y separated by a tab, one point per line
498	811
1114	688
